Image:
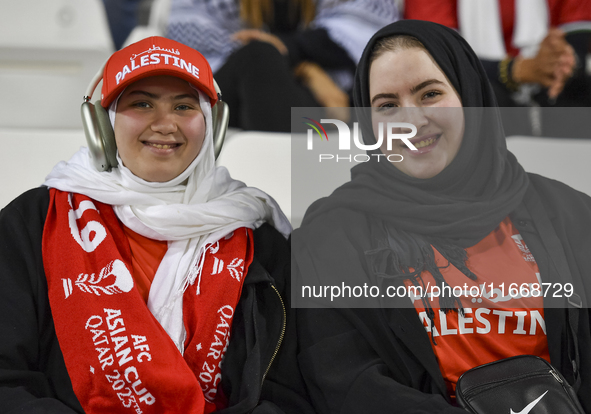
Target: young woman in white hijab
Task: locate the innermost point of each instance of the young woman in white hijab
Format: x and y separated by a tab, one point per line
142	271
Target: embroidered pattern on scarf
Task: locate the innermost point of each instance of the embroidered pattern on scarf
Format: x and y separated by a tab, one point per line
118	357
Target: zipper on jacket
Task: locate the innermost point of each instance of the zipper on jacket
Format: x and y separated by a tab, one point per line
280	340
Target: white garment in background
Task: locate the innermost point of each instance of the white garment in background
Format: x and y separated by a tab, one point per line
480	24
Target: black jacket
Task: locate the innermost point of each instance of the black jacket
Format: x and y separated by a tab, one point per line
33	375
381	360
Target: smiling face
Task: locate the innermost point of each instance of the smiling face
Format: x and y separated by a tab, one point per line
159	127
409	78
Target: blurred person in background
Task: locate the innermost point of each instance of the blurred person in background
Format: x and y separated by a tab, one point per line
271	55
123	16
534	52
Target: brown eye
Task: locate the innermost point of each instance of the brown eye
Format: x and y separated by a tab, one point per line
431	94
387	107
141	104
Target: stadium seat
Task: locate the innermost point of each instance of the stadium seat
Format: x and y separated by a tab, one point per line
262	160
565	160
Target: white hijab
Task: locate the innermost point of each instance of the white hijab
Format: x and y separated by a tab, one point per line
191	212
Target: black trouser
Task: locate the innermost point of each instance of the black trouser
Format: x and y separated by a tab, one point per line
260	89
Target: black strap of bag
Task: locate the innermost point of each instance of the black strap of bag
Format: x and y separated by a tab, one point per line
556	254
528	383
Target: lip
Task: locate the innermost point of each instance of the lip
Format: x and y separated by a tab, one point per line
162	147
425	149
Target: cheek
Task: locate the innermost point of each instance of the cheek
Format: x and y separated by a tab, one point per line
374	125
195	129
452	116
458	121
121	139
455	131
462	125
379	122
127	128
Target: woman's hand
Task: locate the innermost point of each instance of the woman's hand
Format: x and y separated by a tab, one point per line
248	35
551	67
562	72
324	89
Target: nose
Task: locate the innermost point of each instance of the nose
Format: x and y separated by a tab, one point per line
411	114
164	122
414	115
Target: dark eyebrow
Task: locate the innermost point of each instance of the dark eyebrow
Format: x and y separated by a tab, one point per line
425	84
140	92
413	90
185	96
154	96
384	95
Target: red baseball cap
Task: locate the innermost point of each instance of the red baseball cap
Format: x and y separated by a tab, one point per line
155	56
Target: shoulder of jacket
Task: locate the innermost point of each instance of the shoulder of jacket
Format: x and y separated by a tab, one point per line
271	249
546	184
30	203
557	195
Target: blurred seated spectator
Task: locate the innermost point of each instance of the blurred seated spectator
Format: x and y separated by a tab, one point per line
303	52
123	17
534	52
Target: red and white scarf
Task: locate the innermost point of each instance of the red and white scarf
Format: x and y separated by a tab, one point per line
118	356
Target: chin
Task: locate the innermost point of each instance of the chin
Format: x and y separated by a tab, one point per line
159	177
423	173
425	176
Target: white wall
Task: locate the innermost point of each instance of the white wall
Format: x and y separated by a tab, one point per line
49	52
27	156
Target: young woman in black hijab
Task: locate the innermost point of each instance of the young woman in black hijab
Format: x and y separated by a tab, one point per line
460	211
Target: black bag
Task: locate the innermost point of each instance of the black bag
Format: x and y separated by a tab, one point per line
524	384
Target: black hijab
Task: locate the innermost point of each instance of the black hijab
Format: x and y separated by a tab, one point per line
458	207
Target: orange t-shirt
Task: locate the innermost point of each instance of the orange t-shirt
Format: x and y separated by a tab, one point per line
496	323
146	255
